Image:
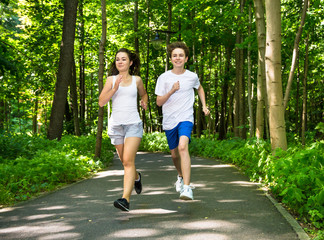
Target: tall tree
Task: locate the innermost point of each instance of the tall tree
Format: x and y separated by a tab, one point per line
239	91
261	77
295	53
82	62
64	71
273	75
74	97
250	89
102	46
304	111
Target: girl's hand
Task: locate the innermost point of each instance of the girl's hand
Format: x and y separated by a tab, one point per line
143	104
118	81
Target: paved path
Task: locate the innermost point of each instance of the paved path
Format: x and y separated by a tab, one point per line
226	206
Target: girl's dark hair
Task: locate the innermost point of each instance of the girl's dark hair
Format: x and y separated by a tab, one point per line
134	69
175	45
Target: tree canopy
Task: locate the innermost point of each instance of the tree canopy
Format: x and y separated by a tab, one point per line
217	32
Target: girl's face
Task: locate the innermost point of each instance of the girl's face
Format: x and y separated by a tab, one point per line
122	62
178	58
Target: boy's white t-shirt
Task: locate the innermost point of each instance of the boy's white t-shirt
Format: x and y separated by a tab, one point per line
179	107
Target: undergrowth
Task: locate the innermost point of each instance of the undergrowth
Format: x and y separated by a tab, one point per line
32	165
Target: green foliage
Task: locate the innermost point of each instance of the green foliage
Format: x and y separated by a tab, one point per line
295	176
154	142
31	165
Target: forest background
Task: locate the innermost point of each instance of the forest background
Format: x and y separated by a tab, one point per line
227	41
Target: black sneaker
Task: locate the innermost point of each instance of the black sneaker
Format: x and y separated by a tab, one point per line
122	204
138	184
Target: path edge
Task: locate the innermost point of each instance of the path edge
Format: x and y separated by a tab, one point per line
302	235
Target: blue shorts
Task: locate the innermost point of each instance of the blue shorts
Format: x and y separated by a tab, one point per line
173	135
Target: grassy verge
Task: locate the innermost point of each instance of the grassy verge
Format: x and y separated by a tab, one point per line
30	166
294	177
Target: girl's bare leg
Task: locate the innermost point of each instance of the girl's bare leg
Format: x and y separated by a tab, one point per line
128	159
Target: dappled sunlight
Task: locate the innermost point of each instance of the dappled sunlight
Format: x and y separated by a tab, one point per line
209	224
117	189
52	208
221	209
134	233
186	201
60	236
245	183
204	236
9	209
109	173
31	230
151	211
230	201
39	216
156	193
211	166
80	196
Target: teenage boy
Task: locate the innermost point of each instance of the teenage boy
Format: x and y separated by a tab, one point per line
175	93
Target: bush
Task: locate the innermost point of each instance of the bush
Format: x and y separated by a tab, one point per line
37	164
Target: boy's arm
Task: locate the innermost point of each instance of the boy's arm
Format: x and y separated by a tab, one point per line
201	94
160	100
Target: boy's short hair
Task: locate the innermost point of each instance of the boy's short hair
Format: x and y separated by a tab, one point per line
175	45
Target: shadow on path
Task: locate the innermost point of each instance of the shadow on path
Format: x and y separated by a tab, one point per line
226	206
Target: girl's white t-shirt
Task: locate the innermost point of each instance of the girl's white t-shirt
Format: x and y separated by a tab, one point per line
179	107
124	105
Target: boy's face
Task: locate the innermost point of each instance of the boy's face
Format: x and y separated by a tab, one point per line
178	58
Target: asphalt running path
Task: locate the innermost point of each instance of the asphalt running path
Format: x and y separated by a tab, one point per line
226	206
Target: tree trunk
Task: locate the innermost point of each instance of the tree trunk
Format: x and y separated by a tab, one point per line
295	53
168	33
239	91
136	41
35	113
273	75
261	78
65	70
74	97
82	66
304	114
100	75
222	121
148	66
250	88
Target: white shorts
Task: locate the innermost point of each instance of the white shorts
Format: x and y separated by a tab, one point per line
118	133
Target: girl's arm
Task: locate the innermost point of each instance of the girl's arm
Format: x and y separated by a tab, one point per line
142	92
108	91
201	94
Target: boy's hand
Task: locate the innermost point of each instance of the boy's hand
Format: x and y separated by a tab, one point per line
206	111
175	87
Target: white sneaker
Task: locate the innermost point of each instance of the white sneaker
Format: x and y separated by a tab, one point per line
179	184
186	193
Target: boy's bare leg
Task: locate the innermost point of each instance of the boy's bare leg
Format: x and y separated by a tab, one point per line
176	160
183	149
